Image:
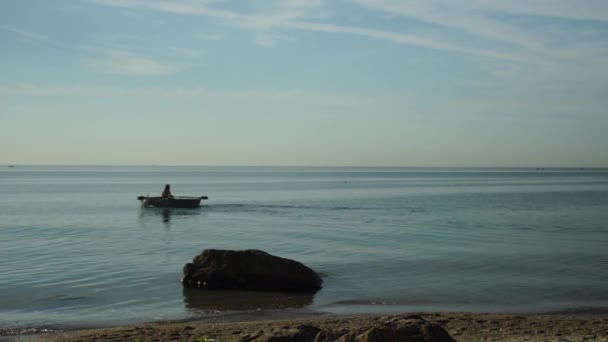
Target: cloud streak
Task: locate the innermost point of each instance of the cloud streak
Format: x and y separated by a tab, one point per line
31	37
121	62
299	15
551	33
450	20
209	36
24	33
176	7
456	15
247	96
408	39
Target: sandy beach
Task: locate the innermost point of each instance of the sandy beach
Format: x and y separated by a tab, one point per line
459	326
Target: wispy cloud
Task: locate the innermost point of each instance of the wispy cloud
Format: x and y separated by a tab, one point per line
24	33
31	37
277	96
191	7
209	36
122	62
96	90
498	22
269	39
290	14
277	14
257	16
459	16
494	20
499	30
401	38
114	60
185	52
566	9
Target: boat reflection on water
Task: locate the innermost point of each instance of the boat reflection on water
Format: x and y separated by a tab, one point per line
201	301
167	214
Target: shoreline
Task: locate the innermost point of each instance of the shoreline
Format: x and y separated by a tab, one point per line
461	326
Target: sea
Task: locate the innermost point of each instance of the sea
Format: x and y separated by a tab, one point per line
77	249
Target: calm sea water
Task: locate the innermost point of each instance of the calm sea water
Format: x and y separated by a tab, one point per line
76	248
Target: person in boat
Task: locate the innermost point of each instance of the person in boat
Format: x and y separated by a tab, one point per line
167	192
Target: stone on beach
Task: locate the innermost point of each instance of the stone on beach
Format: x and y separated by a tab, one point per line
251	269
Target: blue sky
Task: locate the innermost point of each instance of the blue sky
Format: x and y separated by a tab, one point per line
304	82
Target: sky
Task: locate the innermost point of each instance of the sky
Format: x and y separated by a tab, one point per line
304	82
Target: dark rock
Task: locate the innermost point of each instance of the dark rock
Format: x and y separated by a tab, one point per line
382	335
249	270
419	331
410	332
435	333
303	333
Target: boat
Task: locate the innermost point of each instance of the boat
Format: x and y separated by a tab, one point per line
171	202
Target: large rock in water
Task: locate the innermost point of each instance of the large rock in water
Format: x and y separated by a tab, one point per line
249	270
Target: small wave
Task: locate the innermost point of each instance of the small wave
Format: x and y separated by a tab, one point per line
260	206
297	207
73	298
26	331
359	302
351	302
225	206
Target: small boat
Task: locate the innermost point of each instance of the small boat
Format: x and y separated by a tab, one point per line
171	202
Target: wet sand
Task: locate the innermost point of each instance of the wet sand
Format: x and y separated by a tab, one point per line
460	326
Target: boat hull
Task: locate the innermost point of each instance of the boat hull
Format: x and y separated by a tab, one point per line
174	202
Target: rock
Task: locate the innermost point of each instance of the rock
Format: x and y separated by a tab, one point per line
420	331
249	270
410	332
435	333
383	335
302	333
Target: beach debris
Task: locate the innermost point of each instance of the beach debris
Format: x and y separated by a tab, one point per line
251	270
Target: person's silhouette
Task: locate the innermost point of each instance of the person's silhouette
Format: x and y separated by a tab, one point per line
167	192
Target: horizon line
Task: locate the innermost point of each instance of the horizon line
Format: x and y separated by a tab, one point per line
536	167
